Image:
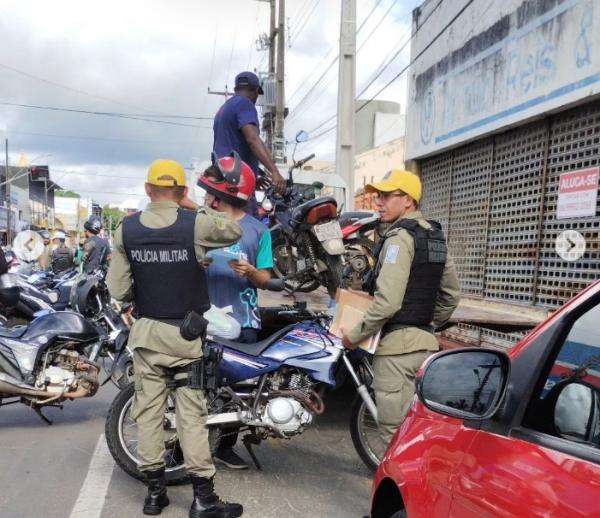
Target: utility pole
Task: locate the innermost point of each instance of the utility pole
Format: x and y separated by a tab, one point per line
8	202
344	156
279	138
268	125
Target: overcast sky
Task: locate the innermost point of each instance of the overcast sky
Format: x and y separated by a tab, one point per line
156	57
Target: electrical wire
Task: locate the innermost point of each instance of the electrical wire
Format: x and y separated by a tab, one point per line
404	69
137	117
294	113
425	49
301	27
66	87
84	137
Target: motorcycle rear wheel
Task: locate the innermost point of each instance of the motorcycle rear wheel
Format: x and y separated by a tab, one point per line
282	267
334	276
365	434
121	437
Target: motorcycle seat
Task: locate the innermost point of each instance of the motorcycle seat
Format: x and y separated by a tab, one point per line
255	349
299	212
12	332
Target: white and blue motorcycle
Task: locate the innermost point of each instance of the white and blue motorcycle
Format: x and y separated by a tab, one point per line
273	388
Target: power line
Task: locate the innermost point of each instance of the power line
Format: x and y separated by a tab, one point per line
66	87
111	192
139	117
84	137
401	71
295	111
437	36
100	175
301	27
377	25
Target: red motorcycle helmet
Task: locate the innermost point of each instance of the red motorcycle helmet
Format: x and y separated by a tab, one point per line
229	179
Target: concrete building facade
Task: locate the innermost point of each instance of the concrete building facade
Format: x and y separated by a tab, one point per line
505	106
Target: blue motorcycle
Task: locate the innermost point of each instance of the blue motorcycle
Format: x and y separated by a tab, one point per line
273	388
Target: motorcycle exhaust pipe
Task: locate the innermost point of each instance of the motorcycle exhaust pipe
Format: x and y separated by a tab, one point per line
226	418
8	389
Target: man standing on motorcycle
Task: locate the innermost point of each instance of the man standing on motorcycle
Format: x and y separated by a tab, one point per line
415	289
229	183
96	249
158	263
236	128
62	257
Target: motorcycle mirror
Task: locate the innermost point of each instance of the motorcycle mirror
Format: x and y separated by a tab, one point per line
301	136
275	285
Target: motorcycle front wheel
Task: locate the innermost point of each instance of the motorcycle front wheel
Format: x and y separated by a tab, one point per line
121	437
365	434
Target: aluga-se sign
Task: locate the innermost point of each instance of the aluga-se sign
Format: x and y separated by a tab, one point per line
578	194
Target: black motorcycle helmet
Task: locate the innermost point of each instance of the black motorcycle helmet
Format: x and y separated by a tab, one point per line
87	297
93	225
9	291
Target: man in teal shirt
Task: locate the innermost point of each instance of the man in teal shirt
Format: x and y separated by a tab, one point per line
237	270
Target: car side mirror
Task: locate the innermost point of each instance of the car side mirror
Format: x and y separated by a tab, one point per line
577	412
465	383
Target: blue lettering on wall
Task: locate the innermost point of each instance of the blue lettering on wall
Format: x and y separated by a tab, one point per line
583	46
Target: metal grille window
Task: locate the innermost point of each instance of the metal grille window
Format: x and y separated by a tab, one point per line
574	144
514	217
497	201
437	182
468	214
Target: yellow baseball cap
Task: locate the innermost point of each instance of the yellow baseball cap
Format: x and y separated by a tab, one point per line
395	180
166	173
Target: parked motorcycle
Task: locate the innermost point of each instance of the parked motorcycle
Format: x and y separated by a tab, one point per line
308	250
273	388
54	358
358	231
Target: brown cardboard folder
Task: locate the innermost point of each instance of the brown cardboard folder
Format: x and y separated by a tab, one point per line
351	307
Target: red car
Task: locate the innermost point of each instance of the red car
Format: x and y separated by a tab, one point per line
503	435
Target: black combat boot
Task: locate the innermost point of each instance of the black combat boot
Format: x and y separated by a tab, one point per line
157	498
207	504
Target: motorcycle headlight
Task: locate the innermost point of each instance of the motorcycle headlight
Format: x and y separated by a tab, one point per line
267	205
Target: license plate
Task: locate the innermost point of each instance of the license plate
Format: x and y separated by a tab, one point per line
330	230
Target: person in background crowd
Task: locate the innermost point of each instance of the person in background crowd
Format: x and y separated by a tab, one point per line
62	257
96	250
44	259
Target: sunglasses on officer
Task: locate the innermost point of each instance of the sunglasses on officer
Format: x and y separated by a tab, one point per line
387	196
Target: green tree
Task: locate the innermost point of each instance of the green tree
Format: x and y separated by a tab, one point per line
112	217
67	194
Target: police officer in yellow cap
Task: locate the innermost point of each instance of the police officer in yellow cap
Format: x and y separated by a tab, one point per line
415	289
157	263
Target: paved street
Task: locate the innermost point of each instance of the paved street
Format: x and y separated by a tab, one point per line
317	474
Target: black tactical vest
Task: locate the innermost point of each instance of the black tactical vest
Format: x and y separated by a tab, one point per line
61	259
98	255
168	281
425	276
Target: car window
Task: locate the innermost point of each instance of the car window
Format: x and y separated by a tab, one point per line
569	403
